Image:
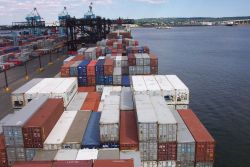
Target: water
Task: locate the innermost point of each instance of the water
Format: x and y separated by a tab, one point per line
214	62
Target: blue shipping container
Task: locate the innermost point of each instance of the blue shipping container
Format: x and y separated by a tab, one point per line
125	81
91	138
82	68
108	80
99	79
110	145
99	68
82	81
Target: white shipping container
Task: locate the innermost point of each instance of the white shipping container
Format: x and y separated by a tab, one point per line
167	124
90	53
66	155
140	70
118	61
182	91
146	118
138	85
106	92
87	154
109	153
181	106
146	59
152	86
66	90
149	164
167	90
127	103
166	164
56	137
100	107
117	76
99	88
4	120
109	121
139	59
132	70
77	102
68	59
124	61
146	70
148	151
129	154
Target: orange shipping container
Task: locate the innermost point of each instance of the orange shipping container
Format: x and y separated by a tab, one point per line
78	58
65	69
87	89
91	67
91	102
3	155
108	66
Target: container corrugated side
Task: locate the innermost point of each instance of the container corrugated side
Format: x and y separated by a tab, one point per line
185	141
45	155
87	154
127	103
135	155
168	164
152	85
149	164
114	163
17	97
167	90
146	119
68	154
77	102
33	164
5	119
55	139
15	154
205	143
13	129
138	85
91	137
148	151
109	153
3	154
182	91
167	124
76	163
76	131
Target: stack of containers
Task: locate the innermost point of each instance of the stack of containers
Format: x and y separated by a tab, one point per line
139	63
167	132
91	73
39	126
124	65
56	137
3	155
91	102
181	92
12	130
99	69
82	73
153	64
146	64
204	142
147	130
90	53
138	85
185	143
76	131
91	138
74	69
65	69
110	121
125	81
108	71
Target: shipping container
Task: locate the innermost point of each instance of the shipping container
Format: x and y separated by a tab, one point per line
152	85
109	153
185	142
109	122
130	154
125	81
181	90
5	119
127	103
131	60
12	129
167	90
168	164
57	135
3	154
128	131
17	97
118	61
68	59
30	153
15	154
87	89
33	164
167	151
146	119
87	154
204	164
138	85
117	76
76	131
91	102
83	163
39	126
185	164
91	68
45	155
205	144
108	90
148	151
74	69
124	61
65	69
167	124
114	163
82	68
64	155
99	68
153	60
108	66
90	53
91	138
139	59
149	164
77	102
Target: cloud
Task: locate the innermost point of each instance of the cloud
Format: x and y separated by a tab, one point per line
153	1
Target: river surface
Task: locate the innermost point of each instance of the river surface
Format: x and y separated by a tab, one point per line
214	62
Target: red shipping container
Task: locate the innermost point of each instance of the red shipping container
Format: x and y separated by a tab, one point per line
91	80
205	143
98	52
91	67
91	102
146	49
65	69
33	164
87	89
128	131
153	60
167	151
108	66
78	58
114	163
3	154
38	127
154	70
76	163
131	60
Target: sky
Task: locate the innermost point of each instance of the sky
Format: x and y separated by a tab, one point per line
16	10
